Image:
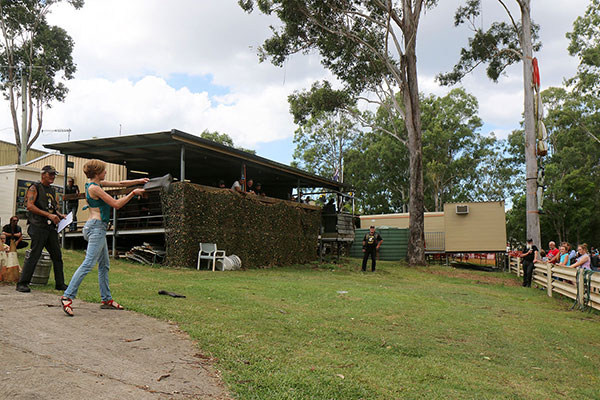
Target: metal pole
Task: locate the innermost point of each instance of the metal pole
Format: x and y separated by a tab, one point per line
114	238
64	204
182	164
244	176
24	138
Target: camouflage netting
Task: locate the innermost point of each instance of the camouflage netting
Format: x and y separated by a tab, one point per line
261	234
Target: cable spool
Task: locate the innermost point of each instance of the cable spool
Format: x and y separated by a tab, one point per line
229	263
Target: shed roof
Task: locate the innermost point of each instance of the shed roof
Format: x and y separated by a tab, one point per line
206	161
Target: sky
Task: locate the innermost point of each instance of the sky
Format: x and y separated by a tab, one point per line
192	65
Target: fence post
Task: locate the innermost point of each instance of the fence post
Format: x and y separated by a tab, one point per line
518	266
580	287
549	278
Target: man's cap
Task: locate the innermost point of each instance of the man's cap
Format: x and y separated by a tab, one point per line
529	240
48	169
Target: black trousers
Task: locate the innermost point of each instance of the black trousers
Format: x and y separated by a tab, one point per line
40	238
527	272
22	244
369	252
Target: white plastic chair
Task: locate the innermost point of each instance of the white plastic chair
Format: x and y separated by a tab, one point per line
208	251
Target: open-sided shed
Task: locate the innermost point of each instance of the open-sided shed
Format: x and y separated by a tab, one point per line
189	157
198	164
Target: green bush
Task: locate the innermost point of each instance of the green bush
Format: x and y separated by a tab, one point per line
261	234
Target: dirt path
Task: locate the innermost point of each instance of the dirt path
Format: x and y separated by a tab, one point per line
98	354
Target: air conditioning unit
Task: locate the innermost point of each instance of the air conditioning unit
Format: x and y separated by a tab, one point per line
462	209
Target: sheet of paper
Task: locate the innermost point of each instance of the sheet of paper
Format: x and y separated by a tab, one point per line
63	223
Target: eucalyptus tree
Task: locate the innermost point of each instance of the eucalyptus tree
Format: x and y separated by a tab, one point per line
503	44
369	45
36	57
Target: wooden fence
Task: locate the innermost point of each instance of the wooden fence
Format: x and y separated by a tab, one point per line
581	285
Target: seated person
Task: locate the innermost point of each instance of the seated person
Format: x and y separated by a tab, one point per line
542	257
14	233
563	256
238	186
258	189
3	246
552	252
221	183
250	186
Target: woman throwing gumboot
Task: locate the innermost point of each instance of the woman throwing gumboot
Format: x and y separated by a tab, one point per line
100	205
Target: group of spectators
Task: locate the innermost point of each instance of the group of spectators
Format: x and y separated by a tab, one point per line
564	255
251	187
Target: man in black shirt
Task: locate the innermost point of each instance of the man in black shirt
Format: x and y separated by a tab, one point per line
528	265
43	217
72	205
371	243
14	233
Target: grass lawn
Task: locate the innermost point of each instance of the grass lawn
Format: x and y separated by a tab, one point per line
332	332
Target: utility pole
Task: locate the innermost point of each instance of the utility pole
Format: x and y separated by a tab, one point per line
531	173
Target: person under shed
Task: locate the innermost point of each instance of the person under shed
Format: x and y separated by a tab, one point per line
371	244
72	205
238	186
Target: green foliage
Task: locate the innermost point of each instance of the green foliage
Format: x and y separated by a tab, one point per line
516	231
401	333
321	98
377	168
459	163
217	137
499	46
585	44
260	234
572	173
223	139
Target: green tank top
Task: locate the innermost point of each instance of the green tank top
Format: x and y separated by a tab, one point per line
99	203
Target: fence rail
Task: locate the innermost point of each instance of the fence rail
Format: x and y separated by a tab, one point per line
581	285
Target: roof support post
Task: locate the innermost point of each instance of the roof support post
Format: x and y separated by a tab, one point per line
244	176
298	191
182	164
114	238
64	202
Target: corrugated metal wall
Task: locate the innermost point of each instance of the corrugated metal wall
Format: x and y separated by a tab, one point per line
9	154
114	172
393	248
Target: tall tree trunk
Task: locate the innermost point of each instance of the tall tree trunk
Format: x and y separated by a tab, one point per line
533	217
416	207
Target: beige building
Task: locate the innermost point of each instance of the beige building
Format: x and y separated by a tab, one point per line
14	182
462	227
9	154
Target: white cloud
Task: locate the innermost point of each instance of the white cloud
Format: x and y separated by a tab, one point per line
98	107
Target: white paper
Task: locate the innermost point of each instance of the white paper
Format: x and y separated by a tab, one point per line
63	223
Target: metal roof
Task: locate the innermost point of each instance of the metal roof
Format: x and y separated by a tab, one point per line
206	162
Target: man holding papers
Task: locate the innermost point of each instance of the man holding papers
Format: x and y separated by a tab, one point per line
43	217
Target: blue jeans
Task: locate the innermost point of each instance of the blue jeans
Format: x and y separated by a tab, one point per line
94	232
